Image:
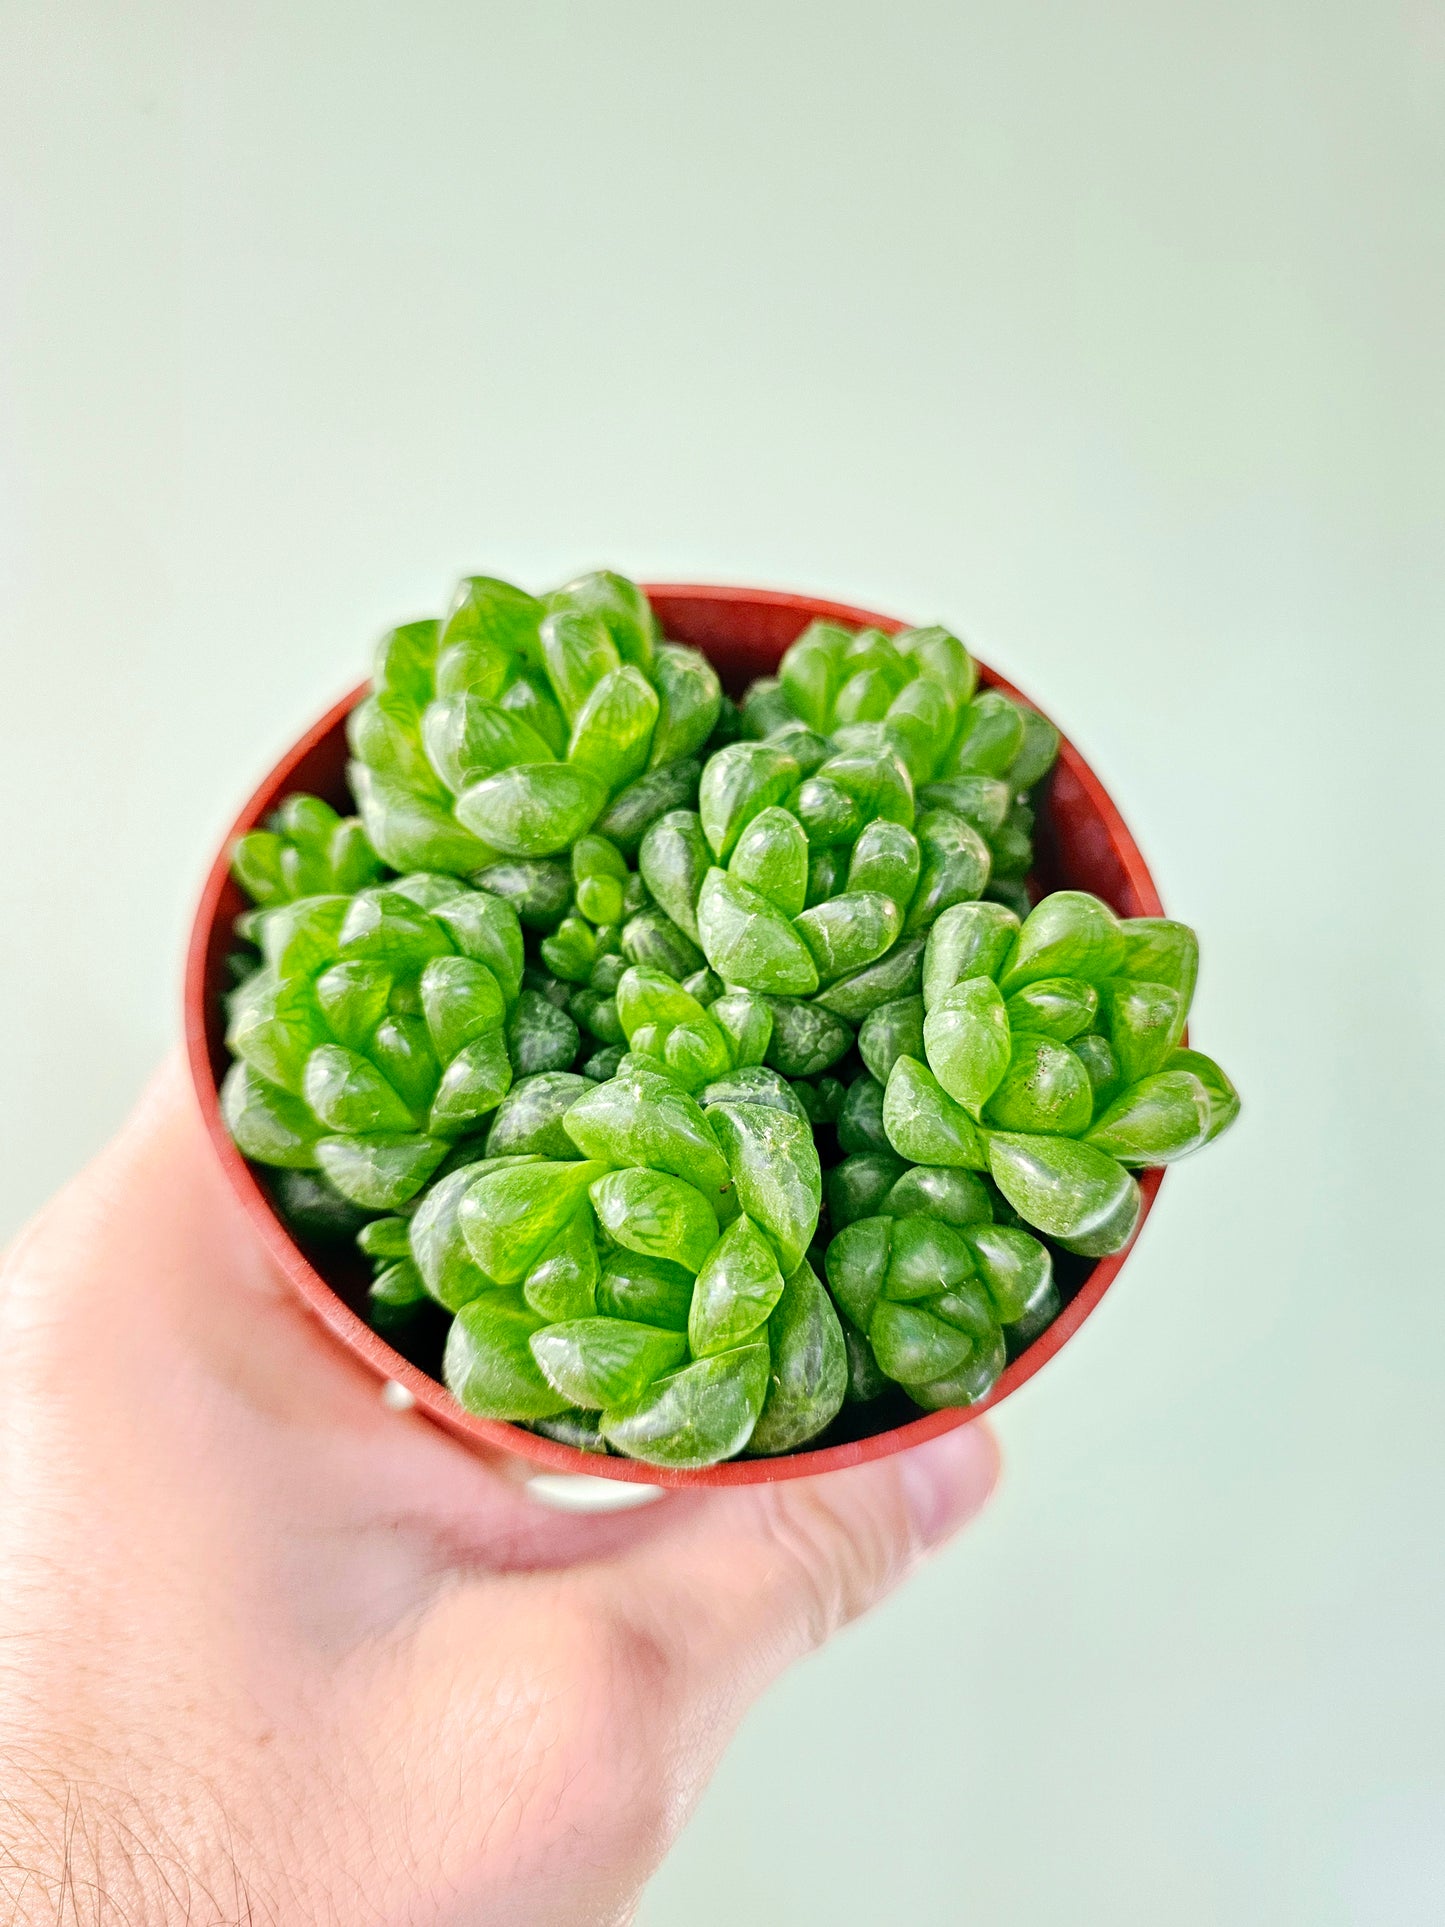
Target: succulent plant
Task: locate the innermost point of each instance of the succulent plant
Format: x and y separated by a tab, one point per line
511	729
976	753
1052	1059
977	1239
305	850
937	1288
655	1279
566	1078
373	1037
811	883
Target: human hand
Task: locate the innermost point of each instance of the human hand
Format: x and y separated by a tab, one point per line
270	1652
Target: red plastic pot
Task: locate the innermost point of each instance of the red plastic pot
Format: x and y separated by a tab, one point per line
1083	844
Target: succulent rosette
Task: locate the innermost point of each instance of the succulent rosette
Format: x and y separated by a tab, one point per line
974	752
940	1292
936	1281
1052	1059
305	850
506	732
373	1035
648	1287
810	879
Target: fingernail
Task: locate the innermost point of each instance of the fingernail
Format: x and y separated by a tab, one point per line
946	1481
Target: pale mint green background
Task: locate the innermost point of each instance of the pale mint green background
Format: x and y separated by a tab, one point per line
1111	334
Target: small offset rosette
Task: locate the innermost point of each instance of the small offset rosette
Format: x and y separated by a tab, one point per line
975	753
938	1293
1052	1060
810	879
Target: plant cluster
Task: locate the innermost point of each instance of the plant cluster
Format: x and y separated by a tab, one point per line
708	1067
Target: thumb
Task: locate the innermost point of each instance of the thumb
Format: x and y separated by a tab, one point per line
750	1579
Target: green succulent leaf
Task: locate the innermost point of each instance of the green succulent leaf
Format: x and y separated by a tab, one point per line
846	933
532	809
528	1121
898	974
746	1022
753	1084
599	1362
538	889
857	1266
446	1266
774	1164
808	1379
510	1216
1158	950
612	734
1036	753
1162	1117
348	1093
1016	1270
274	1025
748	941
926	1256
1069	934
955	869
461	1000
1223	1098
619	605
489	621
650	1290
886	858
860	1120
268	1123
1059	1007
411	830
704	1412
807	1038
1072	1191
652	938
644	1119
1044	1088
948	1193
991	735
737	1287
738	783
540	1037
634	810
690	698
968	1043
674	858
859	1185
488	1365
383	1170
467	738
656	1214
924	1124
566	1282
1144	1022
473	1083
891	1031
983	801
969	940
